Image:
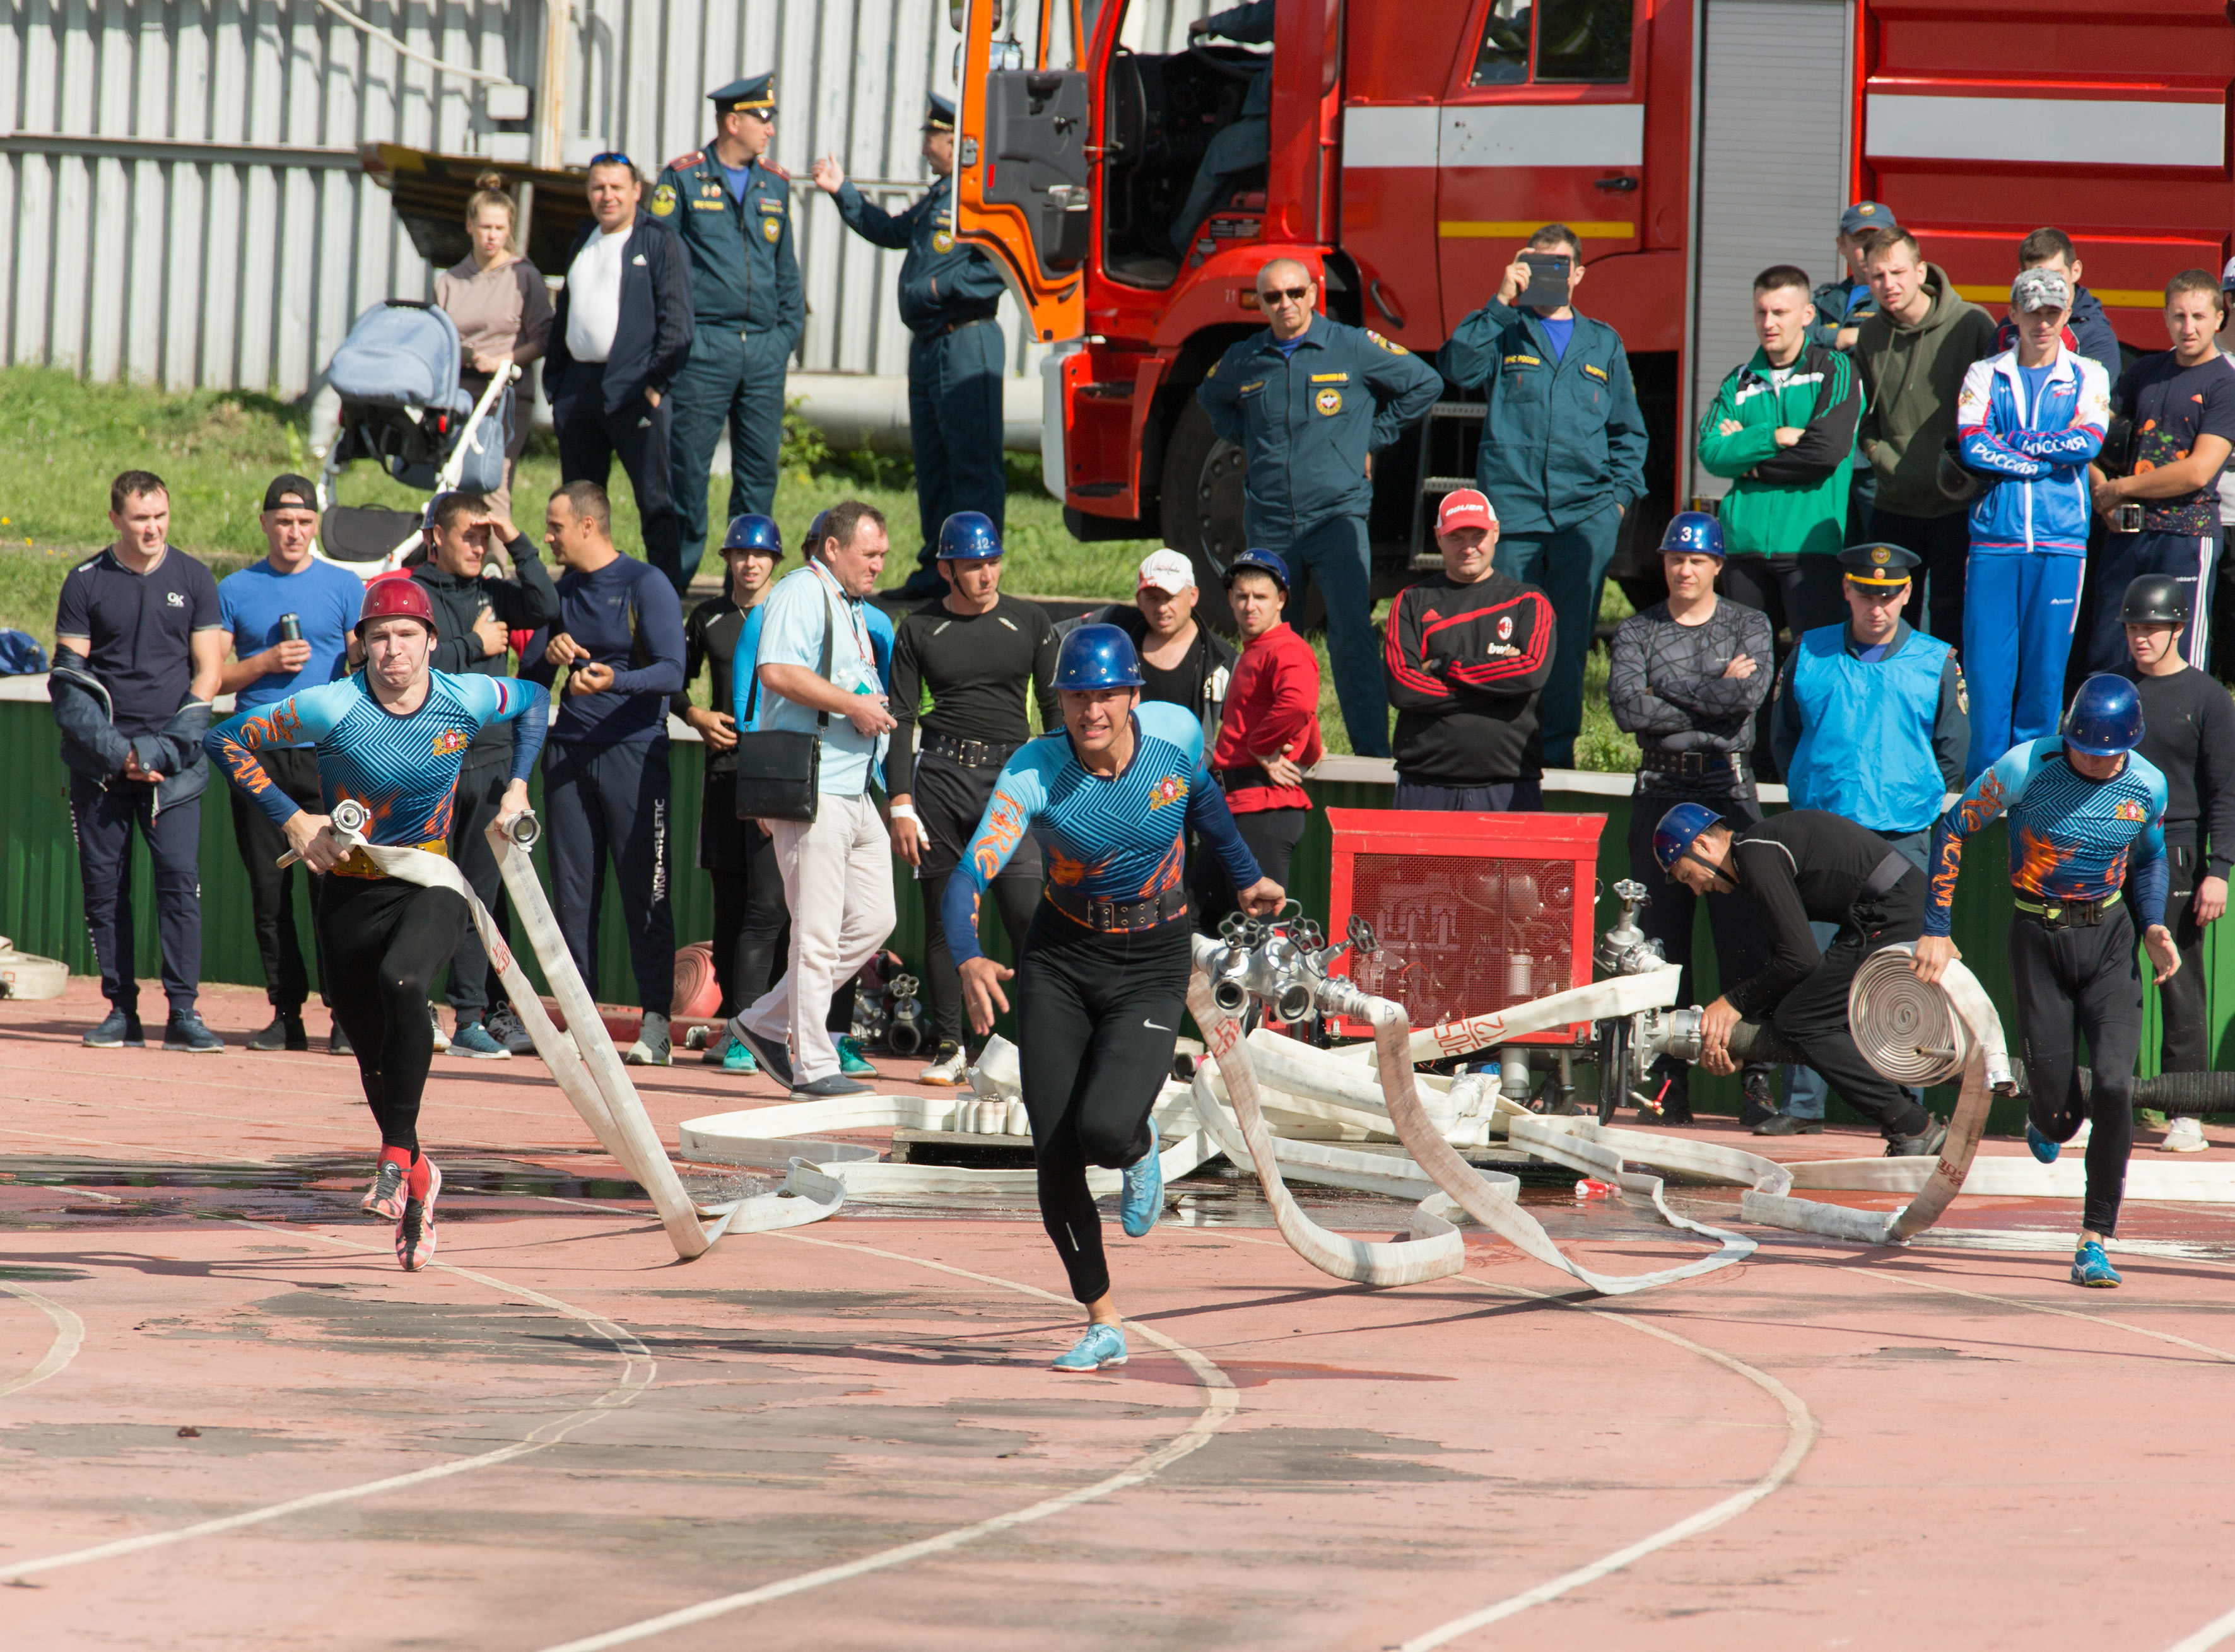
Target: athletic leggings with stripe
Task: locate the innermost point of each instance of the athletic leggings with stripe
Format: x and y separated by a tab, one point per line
387	942
1097	1019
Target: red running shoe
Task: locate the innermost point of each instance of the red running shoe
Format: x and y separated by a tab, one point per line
385	1198
414	1232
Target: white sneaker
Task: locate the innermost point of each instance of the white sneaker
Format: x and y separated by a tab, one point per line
652	1048
2184	1135
949	1068
442	1039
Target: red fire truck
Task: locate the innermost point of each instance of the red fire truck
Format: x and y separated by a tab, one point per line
1414	144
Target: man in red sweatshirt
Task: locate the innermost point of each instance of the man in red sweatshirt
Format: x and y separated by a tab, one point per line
1269	733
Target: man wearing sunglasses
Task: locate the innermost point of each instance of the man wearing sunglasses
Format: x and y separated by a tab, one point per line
618	341
733	212
1309	401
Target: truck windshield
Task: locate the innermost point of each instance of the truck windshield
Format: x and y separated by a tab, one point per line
1554	41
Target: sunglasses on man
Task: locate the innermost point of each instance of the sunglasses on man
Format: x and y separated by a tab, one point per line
1285	295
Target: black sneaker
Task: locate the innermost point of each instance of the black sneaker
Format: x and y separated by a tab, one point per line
1760	1105
503	1024
337	1041
830	1088
1786	1124
119	1030
775	1060
185	1032
285	1032
1925	1144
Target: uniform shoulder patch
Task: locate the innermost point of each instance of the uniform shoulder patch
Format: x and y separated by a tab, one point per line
1394	350
663	201
685	162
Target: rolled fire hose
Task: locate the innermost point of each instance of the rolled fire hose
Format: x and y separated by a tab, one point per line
587	1069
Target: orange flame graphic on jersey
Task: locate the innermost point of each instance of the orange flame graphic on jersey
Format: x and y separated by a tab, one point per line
2038	859
1004	830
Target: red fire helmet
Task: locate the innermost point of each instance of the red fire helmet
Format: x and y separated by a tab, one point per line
396	596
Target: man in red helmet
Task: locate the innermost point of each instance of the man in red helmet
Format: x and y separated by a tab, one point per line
392	738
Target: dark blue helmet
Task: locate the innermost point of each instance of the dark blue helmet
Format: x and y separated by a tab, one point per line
969	536
1267	562
814	540
1674	838
1693	533
2106	719
1096	656
755	532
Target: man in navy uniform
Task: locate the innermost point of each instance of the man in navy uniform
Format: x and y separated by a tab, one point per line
949	294
733	214
1309	401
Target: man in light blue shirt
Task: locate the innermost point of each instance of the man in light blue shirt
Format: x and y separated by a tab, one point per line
837	868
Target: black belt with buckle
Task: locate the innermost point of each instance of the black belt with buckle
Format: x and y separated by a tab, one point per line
967	753
1112	917
2069	914
1696	765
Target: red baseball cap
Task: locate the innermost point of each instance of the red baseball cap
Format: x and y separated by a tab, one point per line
1465	507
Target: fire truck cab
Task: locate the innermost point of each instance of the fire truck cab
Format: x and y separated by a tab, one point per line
1414	145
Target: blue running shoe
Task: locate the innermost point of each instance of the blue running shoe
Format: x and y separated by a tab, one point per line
737	1058
2091	1267
2046	1151
852	1062
1142	1200
1103	1345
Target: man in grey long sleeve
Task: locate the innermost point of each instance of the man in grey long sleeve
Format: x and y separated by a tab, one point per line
1687	677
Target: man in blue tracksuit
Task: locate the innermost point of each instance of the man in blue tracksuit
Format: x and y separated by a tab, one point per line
2028	422
733	216
950	295
1562	456
1309	402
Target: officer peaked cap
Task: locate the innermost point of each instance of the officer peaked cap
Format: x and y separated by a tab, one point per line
756	93
940	117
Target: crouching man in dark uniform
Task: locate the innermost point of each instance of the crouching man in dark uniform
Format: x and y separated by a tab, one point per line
1805	865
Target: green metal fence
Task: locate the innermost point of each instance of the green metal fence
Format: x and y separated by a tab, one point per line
40	899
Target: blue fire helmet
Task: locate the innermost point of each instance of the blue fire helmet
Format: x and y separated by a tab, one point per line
1266	562
813	542
1680	828
2106	719
969	536
755	532
1096	656
1693	533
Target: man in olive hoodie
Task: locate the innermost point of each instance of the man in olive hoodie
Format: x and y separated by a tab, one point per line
1912	356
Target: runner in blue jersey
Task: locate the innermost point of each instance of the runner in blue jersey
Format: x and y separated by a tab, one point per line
392	738
1103	972
2084	810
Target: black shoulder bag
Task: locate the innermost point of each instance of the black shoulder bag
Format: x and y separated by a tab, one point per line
780	770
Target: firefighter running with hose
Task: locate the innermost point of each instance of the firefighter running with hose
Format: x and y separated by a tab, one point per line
2085	812
391	736
1110	798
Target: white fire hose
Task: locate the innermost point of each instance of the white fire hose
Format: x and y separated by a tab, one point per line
588	1070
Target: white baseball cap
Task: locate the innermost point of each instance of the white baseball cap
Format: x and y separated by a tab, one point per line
1168	571
2227	277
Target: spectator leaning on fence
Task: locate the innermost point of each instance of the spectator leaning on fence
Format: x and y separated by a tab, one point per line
2030	420
1562	456
1183	662
1911	358
272	660
139	644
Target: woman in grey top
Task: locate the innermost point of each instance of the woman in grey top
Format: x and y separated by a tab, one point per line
501	308
1687	677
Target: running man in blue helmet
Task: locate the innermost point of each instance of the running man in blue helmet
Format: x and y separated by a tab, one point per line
2085	810
1110	798
1799	867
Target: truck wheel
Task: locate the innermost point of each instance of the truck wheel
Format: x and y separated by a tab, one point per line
1201	495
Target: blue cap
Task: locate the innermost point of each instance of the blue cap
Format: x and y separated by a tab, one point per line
2106	719
1266	562
969	536
1096	656
1679	829
940	116
1693	533
1866	215
756	93
755	532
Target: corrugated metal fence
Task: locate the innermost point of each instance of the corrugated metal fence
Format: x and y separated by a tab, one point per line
180	194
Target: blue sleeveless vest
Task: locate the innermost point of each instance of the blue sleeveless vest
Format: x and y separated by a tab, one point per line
1866	752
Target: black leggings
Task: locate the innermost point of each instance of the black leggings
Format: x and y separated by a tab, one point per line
1097	1017
386	941
2081	981
1015	898
1272	836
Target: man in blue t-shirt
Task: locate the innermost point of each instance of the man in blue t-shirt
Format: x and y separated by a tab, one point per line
271	659
2161	515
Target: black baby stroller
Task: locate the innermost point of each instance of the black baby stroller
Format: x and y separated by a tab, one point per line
403	405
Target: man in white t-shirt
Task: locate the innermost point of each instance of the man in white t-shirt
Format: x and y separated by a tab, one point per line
622	333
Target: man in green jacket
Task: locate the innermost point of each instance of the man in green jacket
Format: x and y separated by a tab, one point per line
1562	456
1783	428
1912	356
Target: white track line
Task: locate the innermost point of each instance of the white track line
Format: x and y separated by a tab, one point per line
1220	1402
636	1375
69	1337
